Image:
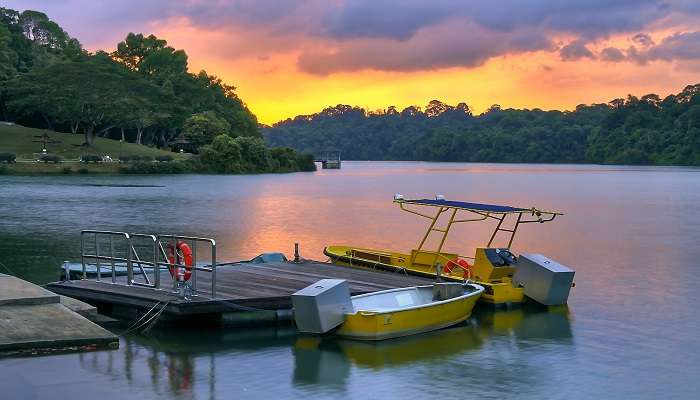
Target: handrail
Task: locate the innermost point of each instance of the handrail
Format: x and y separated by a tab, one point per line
132	257
173	239
156	268
97	257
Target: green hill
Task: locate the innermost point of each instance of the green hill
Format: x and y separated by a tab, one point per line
20	140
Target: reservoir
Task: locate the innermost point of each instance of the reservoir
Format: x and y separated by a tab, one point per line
630	330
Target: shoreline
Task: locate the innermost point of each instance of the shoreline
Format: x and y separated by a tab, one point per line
33	168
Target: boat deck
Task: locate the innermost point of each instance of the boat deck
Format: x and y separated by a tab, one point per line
240	287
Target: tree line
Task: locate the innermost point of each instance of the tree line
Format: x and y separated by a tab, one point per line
646	130
142	92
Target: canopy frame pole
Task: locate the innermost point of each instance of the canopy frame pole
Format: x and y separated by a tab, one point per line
512	235
427	233
500	216
498	228
430	228
416	212
444	235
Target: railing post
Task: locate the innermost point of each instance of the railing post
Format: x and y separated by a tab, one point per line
111	247
82	252
213	269
129	265
156	266
194	267
97	259
176	261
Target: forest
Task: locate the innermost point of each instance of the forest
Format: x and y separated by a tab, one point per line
636	131
141	93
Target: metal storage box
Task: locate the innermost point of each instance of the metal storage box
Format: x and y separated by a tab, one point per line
320	307
543	279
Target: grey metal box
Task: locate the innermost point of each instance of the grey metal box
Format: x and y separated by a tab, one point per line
320	307
543	279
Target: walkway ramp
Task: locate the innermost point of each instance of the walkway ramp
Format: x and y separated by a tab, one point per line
33	320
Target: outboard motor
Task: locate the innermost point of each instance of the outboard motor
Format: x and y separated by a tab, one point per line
543	279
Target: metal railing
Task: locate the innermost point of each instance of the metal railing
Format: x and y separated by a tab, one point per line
122	250
172	241
97	257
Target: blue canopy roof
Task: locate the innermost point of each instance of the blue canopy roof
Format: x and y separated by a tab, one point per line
467	206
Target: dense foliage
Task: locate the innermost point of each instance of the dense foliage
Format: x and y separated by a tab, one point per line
245	154
644	130
142	92
7	157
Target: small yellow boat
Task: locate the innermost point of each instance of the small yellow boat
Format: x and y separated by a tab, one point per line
408	311
491	267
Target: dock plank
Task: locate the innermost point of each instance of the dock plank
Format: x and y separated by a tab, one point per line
266	286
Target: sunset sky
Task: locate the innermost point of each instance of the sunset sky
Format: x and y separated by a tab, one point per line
296	57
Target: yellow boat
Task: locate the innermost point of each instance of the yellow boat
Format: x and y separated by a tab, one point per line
408	311
491	267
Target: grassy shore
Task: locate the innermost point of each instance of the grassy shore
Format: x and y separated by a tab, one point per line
40	168
22	141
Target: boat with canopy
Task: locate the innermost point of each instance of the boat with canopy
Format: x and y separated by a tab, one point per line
491	267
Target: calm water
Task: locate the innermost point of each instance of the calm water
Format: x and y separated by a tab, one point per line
630	329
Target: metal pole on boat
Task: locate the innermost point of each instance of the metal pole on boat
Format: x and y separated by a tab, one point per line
438	271
296	252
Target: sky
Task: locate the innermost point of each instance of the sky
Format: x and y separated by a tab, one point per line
291	57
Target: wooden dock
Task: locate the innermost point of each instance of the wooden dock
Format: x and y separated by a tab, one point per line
246	292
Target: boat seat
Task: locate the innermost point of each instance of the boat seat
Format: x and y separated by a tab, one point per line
446	291
389	301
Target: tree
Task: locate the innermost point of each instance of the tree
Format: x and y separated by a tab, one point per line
135	48
254	153
201	128
223	155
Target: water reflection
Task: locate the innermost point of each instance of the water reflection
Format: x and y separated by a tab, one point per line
201	364
630	233
329	360
529	322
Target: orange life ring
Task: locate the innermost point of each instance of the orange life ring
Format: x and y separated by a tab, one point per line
458	263
185	257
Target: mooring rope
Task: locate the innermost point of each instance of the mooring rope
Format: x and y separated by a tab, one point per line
7	269
155	318
138	321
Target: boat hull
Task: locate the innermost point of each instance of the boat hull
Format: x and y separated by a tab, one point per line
380	325
497	293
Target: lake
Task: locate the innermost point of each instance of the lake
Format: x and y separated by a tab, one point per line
631	234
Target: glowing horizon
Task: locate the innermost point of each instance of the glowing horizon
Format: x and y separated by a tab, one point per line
288	58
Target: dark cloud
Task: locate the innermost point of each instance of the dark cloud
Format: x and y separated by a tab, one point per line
430	49
686	6
400	19
643	40
218	13
612	54
575	50
680	46
394	35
